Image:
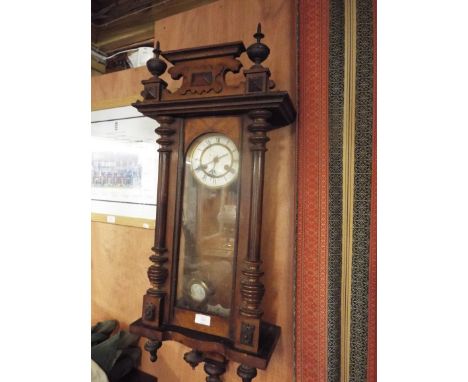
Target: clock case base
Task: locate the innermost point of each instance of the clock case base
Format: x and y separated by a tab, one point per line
210	345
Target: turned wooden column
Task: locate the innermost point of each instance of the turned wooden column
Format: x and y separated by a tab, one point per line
153	301
251	288
157	274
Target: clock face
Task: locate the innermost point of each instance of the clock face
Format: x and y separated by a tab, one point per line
214	160
197	292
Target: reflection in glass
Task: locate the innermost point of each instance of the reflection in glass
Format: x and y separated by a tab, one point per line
209	215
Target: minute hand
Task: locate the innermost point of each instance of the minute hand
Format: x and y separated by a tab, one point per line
215	159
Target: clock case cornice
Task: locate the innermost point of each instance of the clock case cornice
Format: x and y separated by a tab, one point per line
230	49
278	103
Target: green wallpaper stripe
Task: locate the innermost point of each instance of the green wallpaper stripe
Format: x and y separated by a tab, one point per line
335	208
362	191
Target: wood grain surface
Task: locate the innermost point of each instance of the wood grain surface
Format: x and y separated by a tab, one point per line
118	287
118	88
119	264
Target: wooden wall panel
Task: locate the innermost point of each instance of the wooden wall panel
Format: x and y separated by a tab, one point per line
118	253
119	267
118	287
232	20
117	89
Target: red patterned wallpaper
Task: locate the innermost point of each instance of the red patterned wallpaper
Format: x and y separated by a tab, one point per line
312	218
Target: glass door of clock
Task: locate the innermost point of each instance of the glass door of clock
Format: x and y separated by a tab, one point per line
208	229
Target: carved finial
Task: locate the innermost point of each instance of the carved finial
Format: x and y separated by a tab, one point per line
259	35
155	65
157	50
258	52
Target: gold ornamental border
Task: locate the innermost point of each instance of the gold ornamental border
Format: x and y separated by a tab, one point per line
348	182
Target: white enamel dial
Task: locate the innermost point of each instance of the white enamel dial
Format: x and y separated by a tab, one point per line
197	292
215	160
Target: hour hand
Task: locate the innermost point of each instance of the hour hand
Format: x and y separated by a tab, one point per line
201	167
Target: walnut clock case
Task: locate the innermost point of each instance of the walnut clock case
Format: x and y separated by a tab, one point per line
206	289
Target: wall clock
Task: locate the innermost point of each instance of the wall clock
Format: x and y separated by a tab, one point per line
206	277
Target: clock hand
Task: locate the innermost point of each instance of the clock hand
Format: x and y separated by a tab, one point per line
229	168
203	166
215	160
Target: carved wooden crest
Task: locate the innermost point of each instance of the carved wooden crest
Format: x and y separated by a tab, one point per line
203	69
